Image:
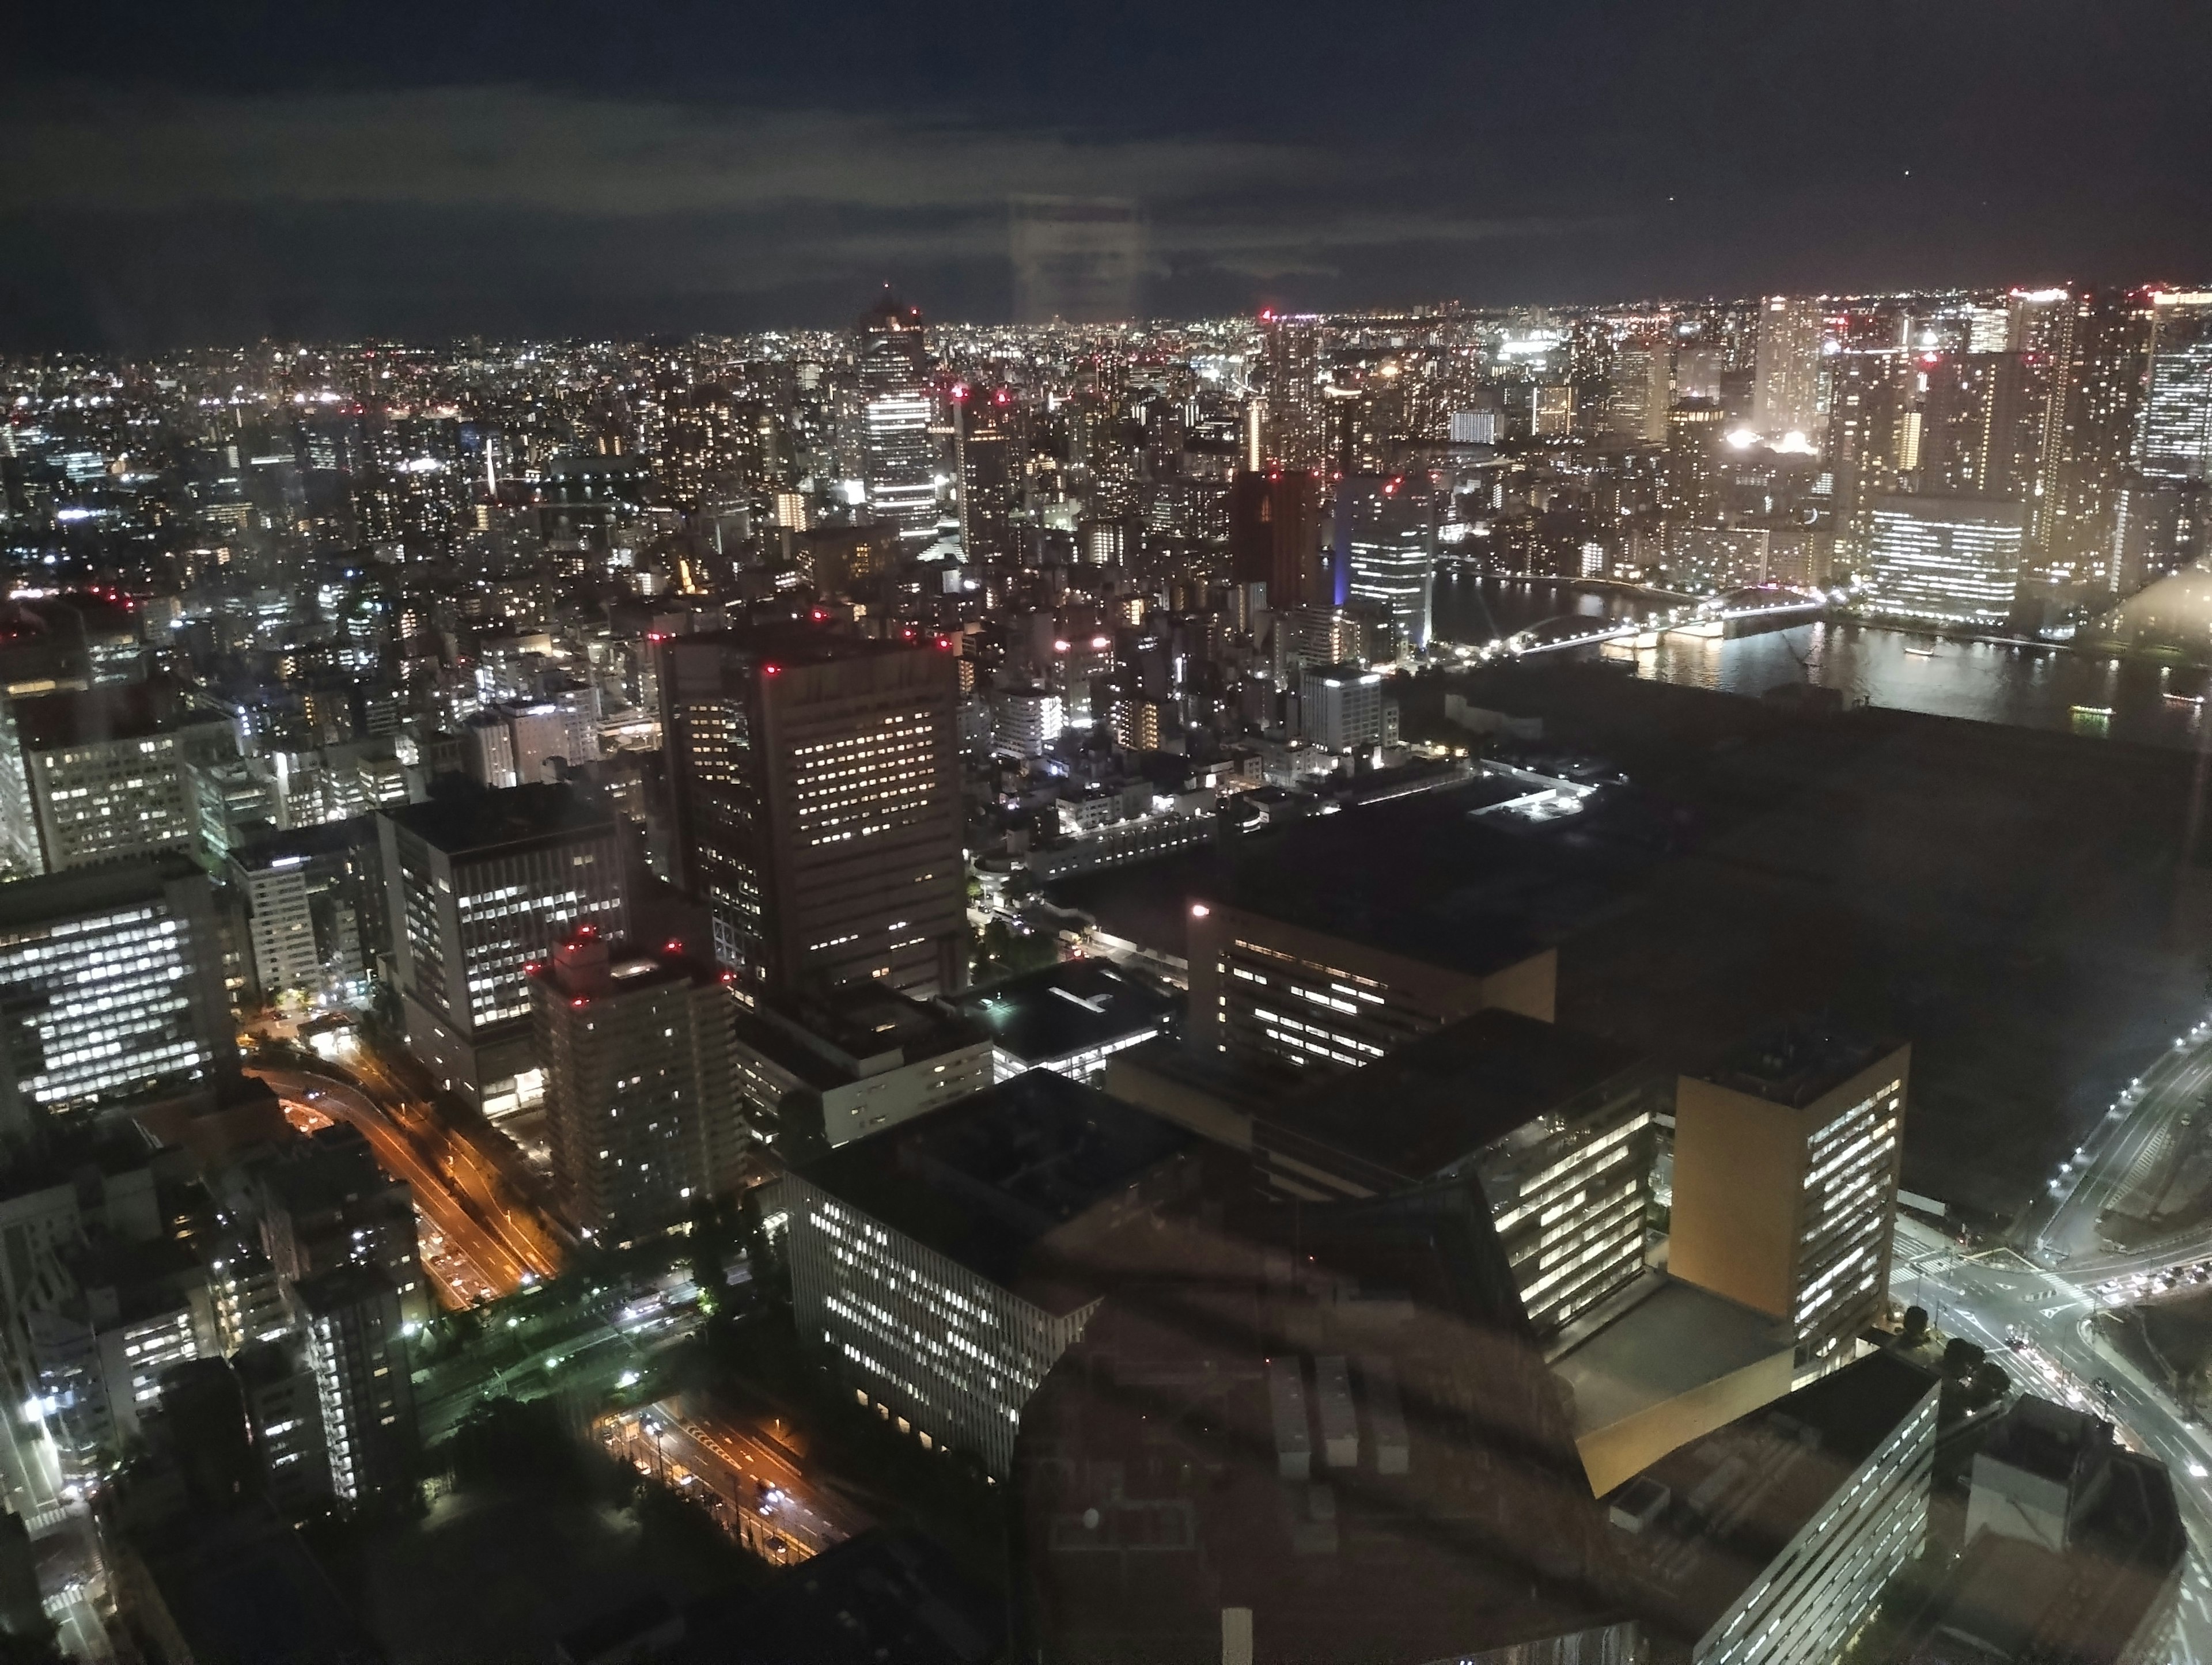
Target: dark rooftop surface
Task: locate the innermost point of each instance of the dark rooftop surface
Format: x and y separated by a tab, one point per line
117	711
81	890
882	1595
1421	875
788	642
1436	1101
246	1588
464	821
984	1181
1795	1065
1738	1495
1064	1008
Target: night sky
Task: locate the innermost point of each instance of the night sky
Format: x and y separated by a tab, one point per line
180	173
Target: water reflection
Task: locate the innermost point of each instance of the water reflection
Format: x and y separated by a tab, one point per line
2031	687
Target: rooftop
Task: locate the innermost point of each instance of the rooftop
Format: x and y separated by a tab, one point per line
1456	890
467	821
1064	1009
1735	1499
83	890
114	711
1795	1065
986	1180
1436	1101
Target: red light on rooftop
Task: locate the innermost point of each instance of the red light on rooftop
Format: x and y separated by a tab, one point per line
817	614
771	670
945	643
1002	397
585	932
673	945
960	392
579	1001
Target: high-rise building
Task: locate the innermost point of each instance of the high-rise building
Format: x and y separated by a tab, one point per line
2174	439
1786	386
1341	707
1691	477
898	453
985	471
1638	389
817	785
1952	560
1866	402
1556	1128
357	1353
1386	550
932	1262
640	1083
2098	344
1267	989
303	893
819	1071
480	886
114	979
1297	424
1274	536
1785	1181
105	772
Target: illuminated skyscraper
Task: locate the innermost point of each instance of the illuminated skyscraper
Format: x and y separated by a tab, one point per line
1274	536
898	455
1297	425
985	471
2097	344
640	1083
816	787
1785	1181
480	886
1386	550
1954	560
2174	439
1786	390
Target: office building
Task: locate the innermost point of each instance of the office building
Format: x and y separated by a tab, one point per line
2173	438
1266	989
641	1088
1947	560
1786	1161
1555	1129
1639	387
817	787
302	893
357	1351
1786	383
1386	551
898	452
104	771
936	1266
1772	1539
1028	721
1330	636
1070	1018
821	1069
1341	707
480	886
522	744
115	976
48	1212
2074	1551
2097	386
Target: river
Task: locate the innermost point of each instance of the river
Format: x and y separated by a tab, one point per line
2031	687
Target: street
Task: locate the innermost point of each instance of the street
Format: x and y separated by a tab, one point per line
2035	1324
480	1247
759	1494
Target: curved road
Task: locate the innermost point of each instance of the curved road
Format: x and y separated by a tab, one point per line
506	1256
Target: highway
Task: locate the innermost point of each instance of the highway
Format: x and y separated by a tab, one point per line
72	1577
763	1498
488	1245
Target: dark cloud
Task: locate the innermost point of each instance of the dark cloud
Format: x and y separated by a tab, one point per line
250	166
